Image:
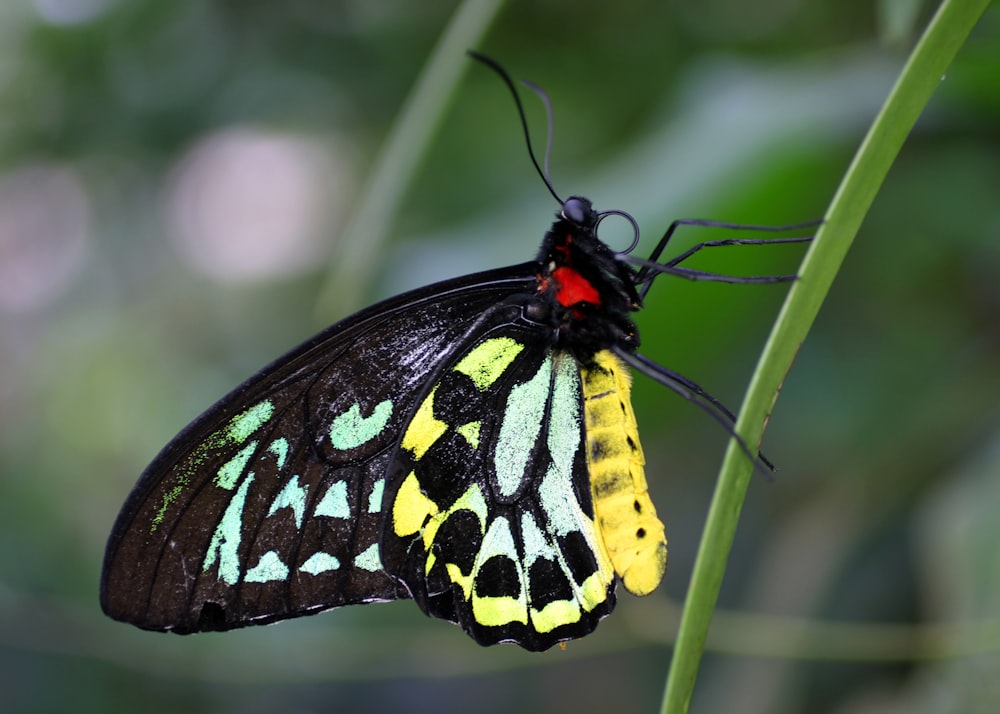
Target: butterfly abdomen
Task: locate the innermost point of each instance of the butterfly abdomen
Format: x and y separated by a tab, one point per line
624	513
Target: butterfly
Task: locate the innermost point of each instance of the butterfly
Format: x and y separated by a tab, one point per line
470	445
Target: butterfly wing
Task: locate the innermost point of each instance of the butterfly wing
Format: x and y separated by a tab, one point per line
270	505
492	522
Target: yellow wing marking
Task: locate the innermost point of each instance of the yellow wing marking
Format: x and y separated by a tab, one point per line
424	428
484	364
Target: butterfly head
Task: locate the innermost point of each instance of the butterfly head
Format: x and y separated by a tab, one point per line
585	292
579	211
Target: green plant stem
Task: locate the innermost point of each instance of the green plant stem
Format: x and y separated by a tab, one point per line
917	82
360	242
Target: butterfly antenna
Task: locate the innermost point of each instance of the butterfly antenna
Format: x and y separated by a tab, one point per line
551	124
544	174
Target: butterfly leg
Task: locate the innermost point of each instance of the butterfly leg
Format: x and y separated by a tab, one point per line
651	268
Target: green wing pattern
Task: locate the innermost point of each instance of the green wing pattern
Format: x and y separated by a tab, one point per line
429	447
269	506
492	523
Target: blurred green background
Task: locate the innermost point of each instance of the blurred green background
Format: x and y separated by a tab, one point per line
173	177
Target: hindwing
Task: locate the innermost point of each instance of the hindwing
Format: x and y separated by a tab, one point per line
490	521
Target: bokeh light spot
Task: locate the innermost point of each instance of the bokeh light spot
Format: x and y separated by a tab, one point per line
44	221
247	205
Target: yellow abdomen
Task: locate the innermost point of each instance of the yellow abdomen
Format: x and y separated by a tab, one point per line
623	511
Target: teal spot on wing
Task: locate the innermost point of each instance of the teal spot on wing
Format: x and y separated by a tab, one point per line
225	543
536	546
368	559
564	415
243	425
375	497
279	447
563	514
519	430
269	569
229	473
320	563
291	496
238	430
334	502
350	430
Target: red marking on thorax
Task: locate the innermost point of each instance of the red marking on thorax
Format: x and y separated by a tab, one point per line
573	288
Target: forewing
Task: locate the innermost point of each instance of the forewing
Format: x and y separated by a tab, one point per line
270	505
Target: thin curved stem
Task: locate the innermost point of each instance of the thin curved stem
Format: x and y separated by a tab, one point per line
921	75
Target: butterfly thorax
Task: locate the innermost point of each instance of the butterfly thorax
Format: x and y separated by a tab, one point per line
586	294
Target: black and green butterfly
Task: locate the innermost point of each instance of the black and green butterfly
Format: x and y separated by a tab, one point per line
470	445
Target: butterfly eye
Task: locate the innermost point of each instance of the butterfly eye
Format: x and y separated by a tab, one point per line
575	209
